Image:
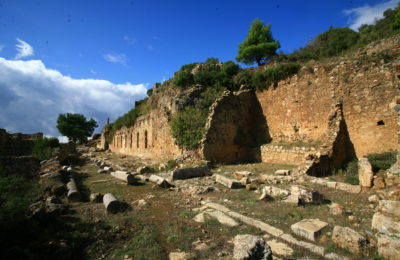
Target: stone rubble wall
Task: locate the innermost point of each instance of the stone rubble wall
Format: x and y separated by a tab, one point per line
271	153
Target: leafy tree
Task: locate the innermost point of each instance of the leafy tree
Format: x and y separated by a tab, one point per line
259	45
183	78
396	23
75	127
43	149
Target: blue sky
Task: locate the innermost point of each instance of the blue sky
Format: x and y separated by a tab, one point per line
131	44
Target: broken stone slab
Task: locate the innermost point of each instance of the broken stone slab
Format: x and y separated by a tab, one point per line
73	193
279	248
228	182
331	184
365	174
282	172
309	228
309	246
307	195
218	215
276	178
188	173
124	176
110	203
292	199
180	256
242	174
273	192
349	239
373	198
159	181
251	247
388	246
348	187
385	224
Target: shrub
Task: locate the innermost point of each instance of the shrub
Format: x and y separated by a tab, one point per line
183	78
188	127
16	194
381	161
351	170
43	149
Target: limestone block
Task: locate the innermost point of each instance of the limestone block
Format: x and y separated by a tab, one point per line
348	187
336	209
331	184
373	198
159	181
293	199
73	193
349	239
379	183
282	172
275	191
391	207
309	228
218	215
242	174
108	168
251	247
187	173
388	246
306	195
110	203
124	176
385	224
365	174
180	256
69	169
228	182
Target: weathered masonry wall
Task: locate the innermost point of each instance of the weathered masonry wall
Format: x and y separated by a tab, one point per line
271	153
149	137
297	109
235	129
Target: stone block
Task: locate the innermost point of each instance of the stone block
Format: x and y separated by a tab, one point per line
282	172
293	199
379	183
159	181
348	187
336	209
218	215
349	239
187	173
306	195
391	207
388	246
111	203
125	177
228	182
309	228
251	247
385	224
365	174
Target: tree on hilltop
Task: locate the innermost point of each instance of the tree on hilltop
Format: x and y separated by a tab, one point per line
259	45
396	23
75	127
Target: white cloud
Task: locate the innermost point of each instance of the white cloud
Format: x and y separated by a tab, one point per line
129	40
368	14
116	58
23	49
32	96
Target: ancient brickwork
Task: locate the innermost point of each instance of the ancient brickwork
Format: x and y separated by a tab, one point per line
272	153
298	108
149	137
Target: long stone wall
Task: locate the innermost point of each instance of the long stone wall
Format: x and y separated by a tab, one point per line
298	109
149	137
272	153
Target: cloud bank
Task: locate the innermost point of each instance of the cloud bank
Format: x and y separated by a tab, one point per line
368	14
23	49
32	96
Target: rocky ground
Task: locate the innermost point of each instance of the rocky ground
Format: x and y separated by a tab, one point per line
200	218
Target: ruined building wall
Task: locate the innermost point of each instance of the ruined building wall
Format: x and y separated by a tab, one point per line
235	129
149	137
298	109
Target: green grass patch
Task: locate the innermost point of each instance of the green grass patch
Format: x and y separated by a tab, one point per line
381	161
